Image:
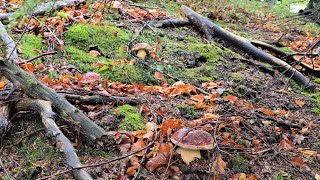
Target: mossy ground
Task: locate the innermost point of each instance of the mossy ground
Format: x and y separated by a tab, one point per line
32	46
132	119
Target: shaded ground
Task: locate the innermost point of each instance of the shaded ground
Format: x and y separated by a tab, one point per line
253	135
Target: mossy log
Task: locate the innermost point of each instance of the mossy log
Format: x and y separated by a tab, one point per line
210	29
42	9
62	142
35	89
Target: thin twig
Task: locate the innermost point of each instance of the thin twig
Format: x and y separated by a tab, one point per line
5	170
39	56
98	164
23	137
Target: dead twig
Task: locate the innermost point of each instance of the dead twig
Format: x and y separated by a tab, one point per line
25	136
36	57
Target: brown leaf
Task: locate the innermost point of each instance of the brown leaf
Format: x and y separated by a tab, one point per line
161	159
219	164
138	145
286	144
158	75
309	152
231	98
297	162
27	66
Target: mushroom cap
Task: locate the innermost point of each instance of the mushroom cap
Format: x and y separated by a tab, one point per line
90	77
140	46
116	4
193	139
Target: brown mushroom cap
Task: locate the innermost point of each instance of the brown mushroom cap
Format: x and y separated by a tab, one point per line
90	77
141	46
193	139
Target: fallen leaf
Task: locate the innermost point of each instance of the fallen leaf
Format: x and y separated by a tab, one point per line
297	162
239	176
309	152
138	145
161	159
188	155
219	164
2	84
199	98
40	67
158	75
286	144
299	103
266	111
253	177
231	98
27	66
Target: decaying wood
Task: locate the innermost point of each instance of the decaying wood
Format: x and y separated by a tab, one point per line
96	99
34	88
4	116
210	29
62	142
11	53
42	9
171	23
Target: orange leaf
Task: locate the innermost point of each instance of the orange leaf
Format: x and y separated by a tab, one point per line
161	159
299	103
200	105
231	98
239	176
48	80
165	148
267	111
27	66
2	84
283	112
297	162
286	144
138	145
199	98
253	177
309	152
168	125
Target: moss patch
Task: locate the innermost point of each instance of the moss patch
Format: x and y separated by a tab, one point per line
132	119
31	45
238	164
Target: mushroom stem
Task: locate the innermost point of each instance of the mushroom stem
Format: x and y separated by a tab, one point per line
142	54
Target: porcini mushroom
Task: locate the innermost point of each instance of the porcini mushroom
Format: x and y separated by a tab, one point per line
115	6
89	78
141	49
190	143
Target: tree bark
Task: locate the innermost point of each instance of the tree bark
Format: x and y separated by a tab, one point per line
210	29
62	142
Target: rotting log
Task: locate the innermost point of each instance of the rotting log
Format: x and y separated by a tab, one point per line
96	99
35	89
53	131
210	29
42	9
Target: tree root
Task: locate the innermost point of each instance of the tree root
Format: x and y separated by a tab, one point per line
62	142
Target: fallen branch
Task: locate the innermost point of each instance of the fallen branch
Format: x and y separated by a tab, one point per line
34	88
63	143
4	116
96	99
170	23
39	56
210	29
42	9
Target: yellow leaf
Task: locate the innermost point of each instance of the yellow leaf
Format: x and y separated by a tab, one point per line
188	155
309	153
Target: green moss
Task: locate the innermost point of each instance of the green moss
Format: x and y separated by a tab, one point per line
237	77
31	45
282	176
187	110
132	118
123	73
238	164
209	51
311	28
83	36
94	152
317	80
287	49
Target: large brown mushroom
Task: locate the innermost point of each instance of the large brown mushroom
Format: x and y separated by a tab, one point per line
89	78
141	49
190	143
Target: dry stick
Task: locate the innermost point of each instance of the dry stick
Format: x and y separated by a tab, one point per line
210	29
99	164
36	57
63	143
141	161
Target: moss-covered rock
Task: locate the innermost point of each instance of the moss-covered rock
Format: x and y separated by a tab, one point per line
132	119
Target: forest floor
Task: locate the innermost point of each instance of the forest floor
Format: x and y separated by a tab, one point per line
264	125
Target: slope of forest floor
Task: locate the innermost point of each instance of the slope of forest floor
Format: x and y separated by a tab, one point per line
265	126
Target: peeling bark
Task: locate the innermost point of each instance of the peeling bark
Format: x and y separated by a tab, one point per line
62	142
